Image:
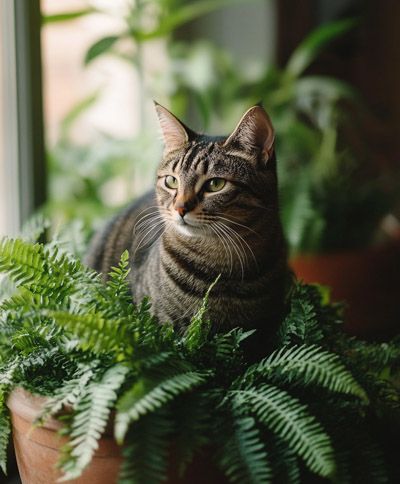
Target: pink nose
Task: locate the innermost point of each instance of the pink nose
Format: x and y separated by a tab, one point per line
181	210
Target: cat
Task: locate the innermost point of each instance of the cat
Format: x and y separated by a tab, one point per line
214	212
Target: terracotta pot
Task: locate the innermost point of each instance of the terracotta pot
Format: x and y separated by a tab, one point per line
367	280
38	450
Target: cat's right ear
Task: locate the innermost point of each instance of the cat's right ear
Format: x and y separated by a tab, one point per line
175	134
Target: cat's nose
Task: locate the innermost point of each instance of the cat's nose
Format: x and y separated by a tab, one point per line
182	210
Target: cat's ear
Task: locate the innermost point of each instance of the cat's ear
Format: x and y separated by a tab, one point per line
175	134
254	132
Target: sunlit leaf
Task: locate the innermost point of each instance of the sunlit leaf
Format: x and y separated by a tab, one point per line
100	47
66	16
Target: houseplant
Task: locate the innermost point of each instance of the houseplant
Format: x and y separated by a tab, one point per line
333	195
319	402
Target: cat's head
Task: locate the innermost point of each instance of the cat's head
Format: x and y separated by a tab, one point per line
206	182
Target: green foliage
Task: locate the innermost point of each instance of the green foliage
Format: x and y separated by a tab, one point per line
308	365
92	415
330	198
286	416
244	457
107	365
5	431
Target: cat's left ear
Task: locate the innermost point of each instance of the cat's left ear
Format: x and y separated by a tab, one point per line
254	132
175	134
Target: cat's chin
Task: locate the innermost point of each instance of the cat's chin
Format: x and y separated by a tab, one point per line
189	230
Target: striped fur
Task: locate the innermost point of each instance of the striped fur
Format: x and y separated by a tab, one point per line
235	232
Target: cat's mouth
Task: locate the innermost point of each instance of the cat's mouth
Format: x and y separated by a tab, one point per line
189	227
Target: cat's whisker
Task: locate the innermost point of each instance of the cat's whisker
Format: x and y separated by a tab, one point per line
225	245
236	223
241	240
141	219
145	223
235	246
142	242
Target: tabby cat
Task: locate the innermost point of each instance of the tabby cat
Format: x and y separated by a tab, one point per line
214	211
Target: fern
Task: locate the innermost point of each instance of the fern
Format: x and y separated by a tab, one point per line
95	332
83	343
145	397
90	420
244	458
147	450
70	393
199	328
5	431
193	427
307	365
288	418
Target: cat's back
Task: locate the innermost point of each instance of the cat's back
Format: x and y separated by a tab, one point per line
119	233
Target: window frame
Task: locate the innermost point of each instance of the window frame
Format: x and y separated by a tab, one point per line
23	148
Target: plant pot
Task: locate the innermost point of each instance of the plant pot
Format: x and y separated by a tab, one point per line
38	449
367	280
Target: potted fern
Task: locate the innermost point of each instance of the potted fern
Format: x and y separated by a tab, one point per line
96	383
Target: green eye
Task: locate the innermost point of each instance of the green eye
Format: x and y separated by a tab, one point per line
214	185
171	182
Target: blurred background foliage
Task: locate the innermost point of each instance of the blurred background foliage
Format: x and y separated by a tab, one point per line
334	193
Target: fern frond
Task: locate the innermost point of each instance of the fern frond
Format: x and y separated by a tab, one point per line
301	324
198	331
90	420
147	448
40	270
306	365
95	332
285	462
146	396
291	421
228	344
69	393
5	431
193	427
244	458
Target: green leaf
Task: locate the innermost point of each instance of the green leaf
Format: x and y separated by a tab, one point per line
5	432
100	47
90	420
291	421
64	17
199	328
327	87
184	14
310	47
308	365
146	397
147	449
244	458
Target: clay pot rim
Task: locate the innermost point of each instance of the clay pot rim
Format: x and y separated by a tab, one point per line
29	407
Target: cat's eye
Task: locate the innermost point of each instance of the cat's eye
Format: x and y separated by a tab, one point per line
214	185
171	182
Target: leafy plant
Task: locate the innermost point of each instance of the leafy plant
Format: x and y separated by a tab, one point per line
332	194
66	334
